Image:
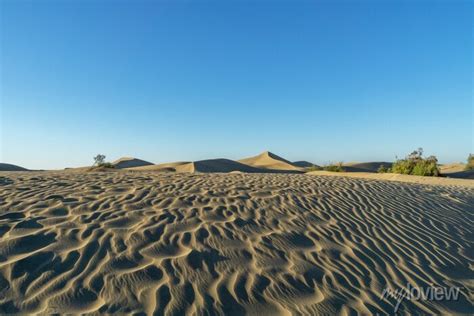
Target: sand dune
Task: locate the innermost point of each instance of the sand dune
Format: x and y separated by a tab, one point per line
268	160
270	244
130	162
169	166
456	170
303	164
121	163
452	167
222	165
10	167
226	165
217	165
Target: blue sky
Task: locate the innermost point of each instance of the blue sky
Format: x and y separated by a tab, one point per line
188	80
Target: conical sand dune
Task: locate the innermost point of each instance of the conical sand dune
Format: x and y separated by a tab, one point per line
129	162
268	160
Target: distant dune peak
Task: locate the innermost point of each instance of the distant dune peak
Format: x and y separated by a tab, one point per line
269	160
271	155
125	159
130	162
11	167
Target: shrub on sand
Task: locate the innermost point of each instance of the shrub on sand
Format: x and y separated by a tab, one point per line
415	164
383	169
334	167
470	162
100	164
98	160
314	168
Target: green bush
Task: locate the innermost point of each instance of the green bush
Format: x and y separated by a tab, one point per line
99	162
314	168
415	164
383	169
403	166
470	162
334	168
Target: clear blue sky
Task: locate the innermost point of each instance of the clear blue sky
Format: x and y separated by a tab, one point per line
188	80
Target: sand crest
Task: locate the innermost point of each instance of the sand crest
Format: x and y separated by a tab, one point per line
268	160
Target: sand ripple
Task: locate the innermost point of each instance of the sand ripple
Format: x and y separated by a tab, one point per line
228	243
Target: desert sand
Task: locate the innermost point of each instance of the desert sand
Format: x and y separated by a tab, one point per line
130	162
11	167
457	170
248	243
444	181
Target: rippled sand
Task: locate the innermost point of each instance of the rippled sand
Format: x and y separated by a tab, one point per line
229	243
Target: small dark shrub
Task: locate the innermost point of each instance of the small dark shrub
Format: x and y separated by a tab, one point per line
470	162
98	160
